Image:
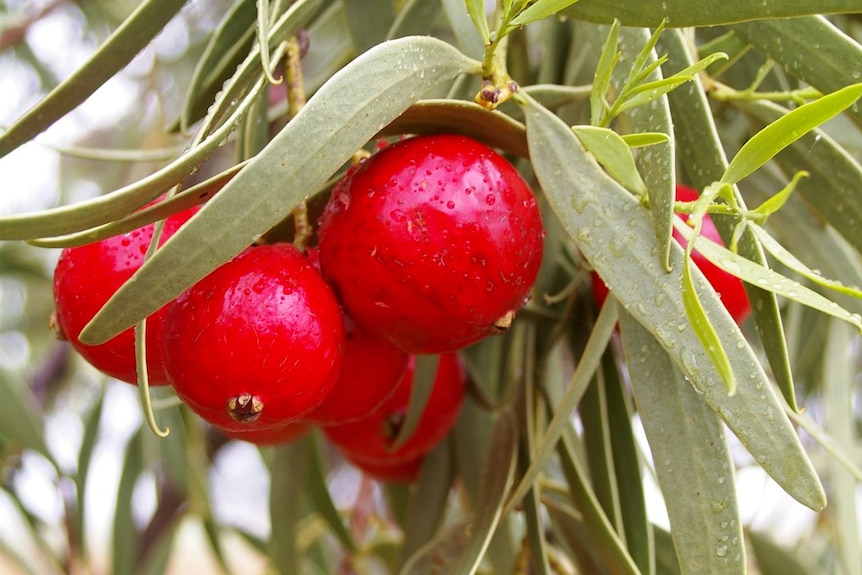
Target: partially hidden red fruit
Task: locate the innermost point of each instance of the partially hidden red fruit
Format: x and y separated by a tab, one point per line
87	276
728	286
370	439
432	243
371	371
397	472
270	436
256	344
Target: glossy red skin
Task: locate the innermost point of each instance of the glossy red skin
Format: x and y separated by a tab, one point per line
264	324
87	276
271	436
431	241
370	373
728	286
369	439
398	472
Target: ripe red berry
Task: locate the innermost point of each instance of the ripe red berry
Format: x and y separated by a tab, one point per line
432	243
257	343
370	439
371	371
87	276
728	286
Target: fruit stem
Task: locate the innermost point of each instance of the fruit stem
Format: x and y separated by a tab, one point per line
295	102
497	85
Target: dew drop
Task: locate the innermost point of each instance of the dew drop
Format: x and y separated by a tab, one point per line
450	204
490	199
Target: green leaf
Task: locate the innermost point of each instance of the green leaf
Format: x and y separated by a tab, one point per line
21	419
602	77
781	133
429	501
225	51
103	209
287	478
131	37
702	154
124	540
645	139
341	117
424	373
320	497
833	189
85	457
369	21
476	10
772	559
613	232
467	36
540	10
810	48
497	470
612	152
766	278
692	460
586	367
679	13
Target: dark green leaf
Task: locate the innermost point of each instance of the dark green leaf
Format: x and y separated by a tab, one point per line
614	233
140	27
692	460
765	144
21	420
369	21
811	48
341	117
773	559
125	541
85	454
679	13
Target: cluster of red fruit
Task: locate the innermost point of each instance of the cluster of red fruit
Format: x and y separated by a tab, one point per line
427	247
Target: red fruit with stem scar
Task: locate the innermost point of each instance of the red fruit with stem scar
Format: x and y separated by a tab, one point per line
256	344
433	243
87	276
728	286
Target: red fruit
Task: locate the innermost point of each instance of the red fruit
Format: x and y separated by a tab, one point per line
256	344
370	373
398	472
728	286
432	243
271	436
87	276
370	439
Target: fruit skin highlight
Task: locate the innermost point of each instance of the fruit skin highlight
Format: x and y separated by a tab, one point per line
258	343
433	243
370	439
728	286
85	277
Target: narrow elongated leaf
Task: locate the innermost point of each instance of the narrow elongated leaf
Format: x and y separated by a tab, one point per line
365	29
124	541
540	10
88	444
784	131
679	13
476	9
467	36
287	476
772	559
834	186
226	49
811	48
21	420
322	499
341	117
424	372
692	460
702	155
607	544
614	233
459	550
130	38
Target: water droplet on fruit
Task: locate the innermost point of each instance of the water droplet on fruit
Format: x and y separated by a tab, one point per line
398	215
490	199
450	204
125	242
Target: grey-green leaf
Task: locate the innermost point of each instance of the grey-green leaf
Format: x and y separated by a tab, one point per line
614	233
341	117
130	38
692	460
424	373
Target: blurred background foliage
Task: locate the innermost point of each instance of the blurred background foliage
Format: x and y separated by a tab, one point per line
86	488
